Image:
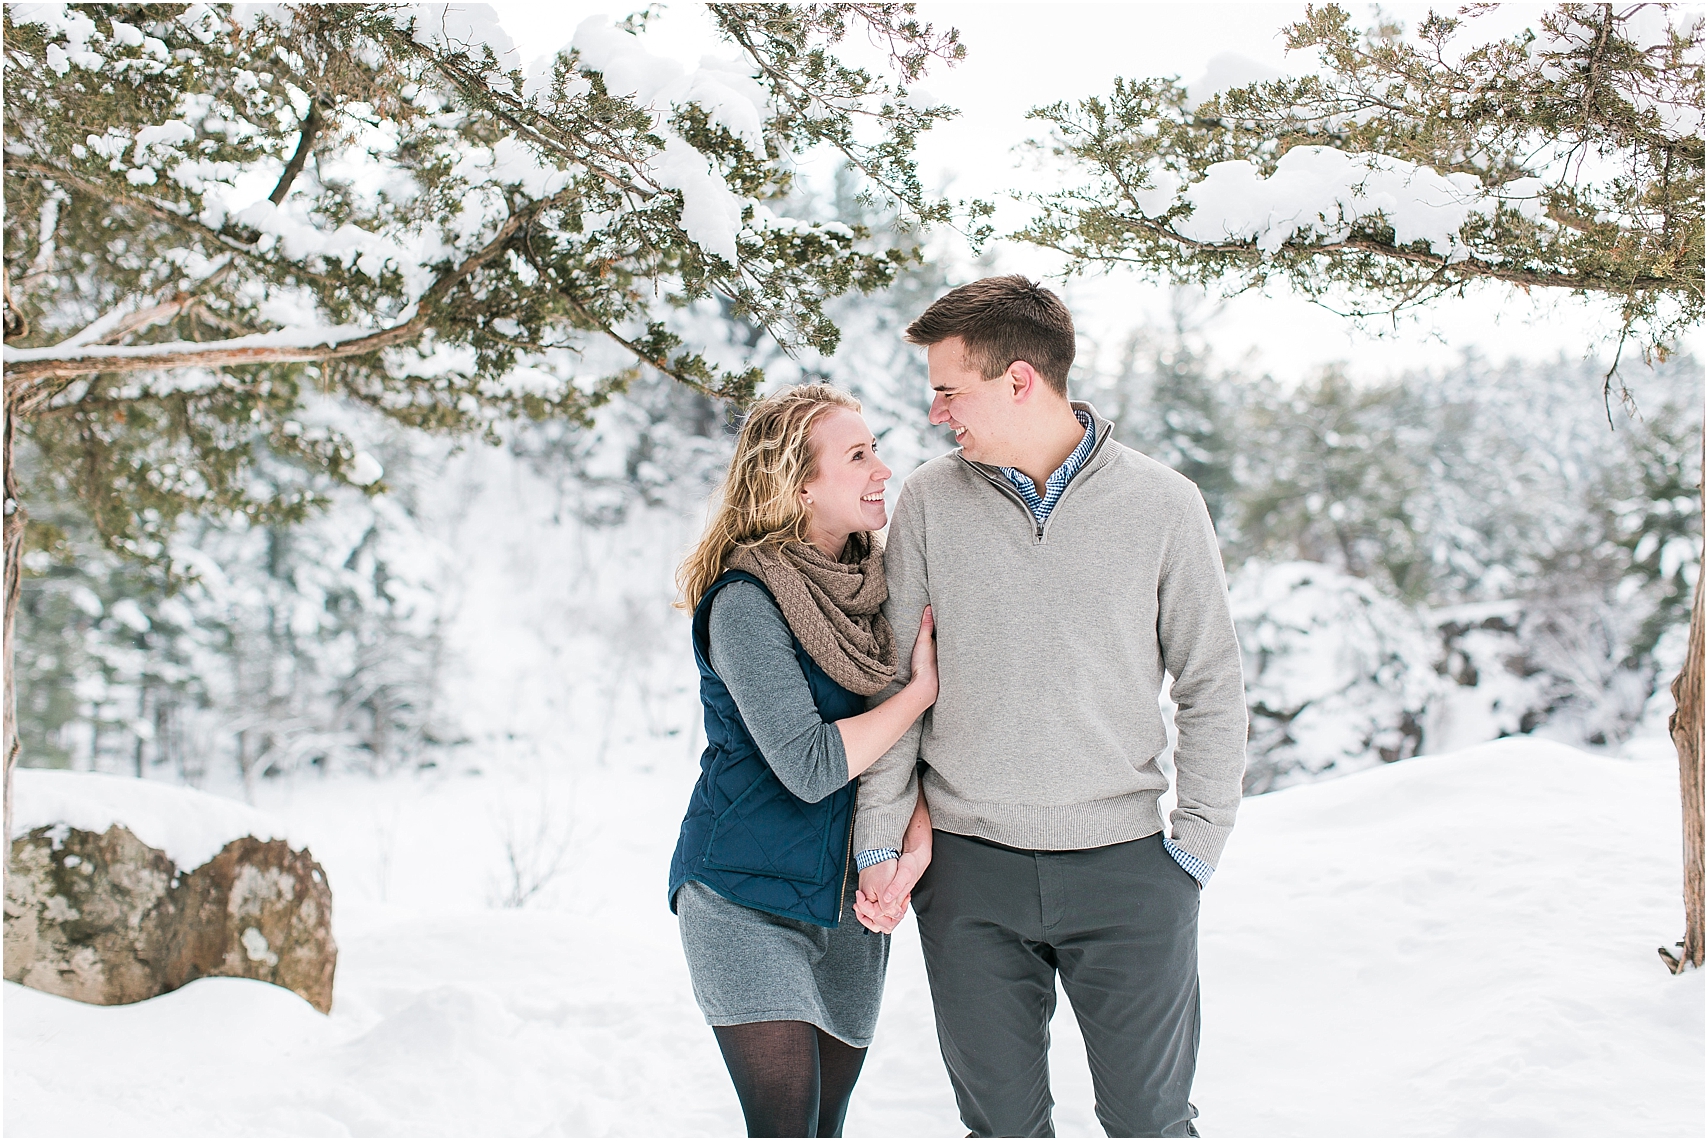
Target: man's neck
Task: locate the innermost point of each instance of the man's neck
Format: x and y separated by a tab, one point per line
1048	448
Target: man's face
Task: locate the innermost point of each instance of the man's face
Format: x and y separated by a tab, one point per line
980	412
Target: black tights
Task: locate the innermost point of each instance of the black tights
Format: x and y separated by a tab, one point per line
793	1079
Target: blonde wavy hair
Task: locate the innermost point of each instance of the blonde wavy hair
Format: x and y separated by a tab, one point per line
760	503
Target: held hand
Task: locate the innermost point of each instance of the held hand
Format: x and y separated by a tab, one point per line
912	865
915	856
924	660
873	883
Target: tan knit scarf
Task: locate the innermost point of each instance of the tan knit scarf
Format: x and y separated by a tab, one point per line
831	605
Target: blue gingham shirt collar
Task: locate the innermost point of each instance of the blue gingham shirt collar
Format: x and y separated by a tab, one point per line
1042	505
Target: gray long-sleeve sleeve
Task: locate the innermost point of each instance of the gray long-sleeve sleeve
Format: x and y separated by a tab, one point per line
890	788
1200	648
753	653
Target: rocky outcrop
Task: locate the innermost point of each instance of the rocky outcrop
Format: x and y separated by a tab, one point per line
104	918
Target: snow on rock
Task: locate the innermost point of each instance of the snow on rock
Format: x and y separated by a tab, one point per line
104	918
189	826
1459	945
1322	192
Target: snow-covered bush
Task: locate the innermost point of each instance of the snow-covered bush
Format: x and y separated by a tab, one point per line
1337	677
1492	689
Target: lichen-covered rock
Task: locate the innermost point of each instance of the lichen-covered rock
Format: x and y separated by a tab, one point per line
258	910
104	918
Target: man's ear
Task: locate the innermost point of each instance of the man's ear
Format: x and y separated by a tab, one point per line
1024	380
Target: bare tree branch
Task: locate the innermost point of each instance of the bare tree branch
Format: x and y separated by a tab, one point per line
310	128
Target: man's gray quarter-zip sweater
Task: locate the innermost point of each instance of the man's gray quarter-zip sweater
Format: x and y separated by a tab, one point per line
1052	641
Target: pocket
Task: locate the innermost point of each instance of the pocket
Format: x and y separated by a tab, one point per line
769	831
1168	858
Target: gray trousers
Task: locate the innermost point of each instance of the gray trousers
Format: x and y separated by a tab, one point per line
1121	925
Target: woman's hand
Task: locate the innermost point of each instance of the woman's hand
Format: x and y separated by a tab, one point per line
867	736
924	661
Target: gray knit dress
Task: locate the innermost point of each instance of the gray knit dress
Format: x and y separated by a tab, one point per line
749	965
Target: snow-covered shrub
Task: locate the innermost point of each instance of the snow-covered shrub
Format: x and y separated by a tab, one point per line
1491	687
1337	677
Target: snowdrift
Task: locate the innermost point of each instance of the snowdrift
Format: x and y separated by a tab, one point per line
1454	945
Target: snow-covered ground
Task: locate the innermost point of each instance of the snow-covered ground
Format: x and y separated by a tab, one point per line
1454	945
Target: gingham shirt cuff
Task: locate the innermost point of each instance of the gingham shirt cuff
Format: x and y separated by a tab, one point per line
1193	866
872	856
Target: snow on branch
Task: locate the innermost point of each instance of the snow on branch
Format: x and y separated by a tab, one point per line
74	359
303	182
302	343
1408	165
1320	193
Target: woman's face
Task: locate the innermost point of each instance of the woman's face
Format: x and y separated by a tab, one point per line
847	495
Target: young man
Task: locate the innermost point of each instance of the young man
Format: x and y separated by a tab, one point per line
1066	572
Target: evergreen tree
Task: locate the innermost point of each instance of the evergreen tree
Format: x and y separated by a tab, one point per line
1169	399
216	213
278	647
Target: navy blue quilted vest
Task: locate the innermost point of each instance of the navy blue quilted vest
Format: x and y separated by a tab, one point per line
746	836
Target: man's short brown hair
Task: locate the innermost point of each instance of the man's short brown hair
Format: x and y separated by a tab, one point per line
1002	320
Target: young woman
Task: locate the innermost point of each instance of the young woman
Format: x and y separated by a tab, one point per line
785	587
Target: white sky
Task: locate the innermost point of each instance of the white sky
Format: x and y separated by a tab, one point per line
1020	55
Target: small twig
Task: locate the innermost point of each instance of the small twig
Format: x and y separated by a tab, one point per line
1625	397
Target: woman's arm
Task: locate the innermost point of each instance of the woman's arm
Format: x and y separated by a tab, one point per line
753	651
869	735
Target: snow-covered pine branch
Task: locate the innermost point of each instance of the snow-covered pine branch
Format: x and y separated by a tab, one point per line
82	353
345	154
1571	158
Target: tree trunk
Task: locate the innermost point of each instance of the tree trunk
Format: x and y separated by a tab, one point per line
14	547
1686	727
